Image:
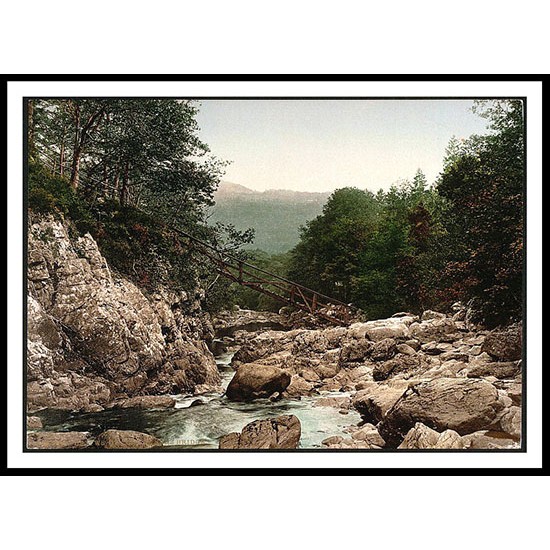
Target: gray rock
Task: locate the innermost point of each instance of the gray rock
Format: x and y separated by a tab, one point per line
429	314
254	380
438	330
377	333
383	350
58	440
399	364
512	388
126	439
405	349
373	403
419	437
341	402
504	344
355	350
298	387
422	437
370	434
93	334
496	369
462	405
34	423
333	440
510	422
282	432
485	439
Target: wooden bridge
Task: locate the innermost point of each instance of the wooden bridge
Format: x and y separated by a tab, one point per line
275	286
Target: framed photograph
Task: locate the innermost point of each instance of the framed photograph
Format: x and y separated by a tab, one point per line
228	273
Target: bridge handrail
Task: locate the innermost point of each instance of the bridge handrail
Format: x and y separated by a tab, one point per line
244	263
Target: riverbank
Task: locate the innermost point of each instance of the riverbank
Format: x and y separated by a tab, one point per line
405	382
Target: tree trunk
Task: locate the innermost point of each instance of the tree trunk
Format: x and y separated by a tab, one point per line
75	169
123	197
30	127
62	159
77	150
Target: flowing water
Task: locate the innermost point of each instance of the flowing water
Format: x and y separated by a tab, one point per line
199	426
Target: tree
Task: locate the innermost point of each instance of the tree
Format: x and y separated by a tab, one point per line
327	257
129	168
484	184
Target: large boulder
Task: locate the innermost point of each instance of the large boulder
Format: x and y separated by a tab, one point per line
282	432
253	380
504	344
58	440
373	403
383	350
355	350
126	439
462	405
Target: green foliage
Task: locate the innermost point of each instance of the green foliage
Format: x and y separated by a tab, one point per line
145	249
51	194
484	183
126	170
250	299
276	217
416	247
330	246
361	248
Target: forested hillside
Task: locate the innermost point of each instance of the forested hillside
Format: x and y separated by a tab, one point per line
275	215
127	171
417	246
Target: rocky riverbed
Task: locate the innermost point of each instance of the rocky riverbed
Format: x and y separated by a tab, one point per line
407	382
110	367
429	381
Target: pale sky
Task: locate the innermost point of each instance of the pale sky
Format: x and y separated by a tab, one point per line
322	145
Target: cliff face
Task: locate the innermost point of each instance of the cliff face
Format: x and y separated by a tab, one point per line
94	337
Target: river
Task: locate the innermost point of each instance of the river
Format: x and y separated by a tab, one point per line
199	426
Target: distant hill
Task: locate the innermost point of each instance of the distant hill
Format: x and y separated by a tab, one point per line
276	214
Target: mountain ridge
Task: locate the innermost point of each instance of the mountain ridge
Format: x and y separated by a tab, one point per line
275	214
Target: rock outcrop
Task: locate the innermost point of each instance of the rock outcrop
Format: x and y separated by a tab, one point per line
282	432
94	337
